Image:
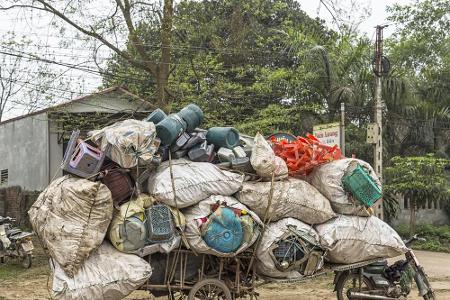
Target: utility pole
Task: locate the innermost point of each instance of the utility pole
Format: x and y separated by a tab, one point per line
342	128
378	149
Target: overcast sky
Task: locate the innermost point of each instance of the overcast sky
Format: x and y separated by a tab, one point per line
377	7
39	31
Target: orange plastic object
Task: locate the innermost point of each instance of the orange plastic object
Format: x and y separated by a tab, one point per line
304	154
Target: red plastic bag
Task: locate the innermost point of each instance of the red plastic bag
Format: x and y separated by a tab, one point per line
304	154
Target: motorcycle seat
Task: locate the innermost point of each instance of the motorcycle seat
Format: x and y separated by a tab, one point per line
12	232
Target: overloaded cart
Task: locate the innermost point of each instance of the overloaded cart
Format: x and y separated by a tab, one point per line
162	205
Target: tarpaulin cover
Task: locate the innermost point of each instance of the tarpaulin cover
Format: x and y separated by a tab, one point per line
264	161
291	198
71	218
106	274
203	209
351	239
272	235
305	154
132	142
194	181
328	180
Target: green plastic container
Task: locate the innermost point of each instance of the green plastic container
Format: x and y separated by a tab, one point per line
156	116
362	186
227	137
192	115
169	129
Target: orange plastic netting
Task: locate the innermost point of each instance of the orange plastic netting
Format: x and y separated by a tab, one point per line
304	154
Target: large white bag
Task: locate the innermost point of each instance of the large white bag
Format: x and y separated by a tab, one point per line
194	181
106	274
71	217
265	162
272	235
203	209
327	178
131	142
351	239
291	198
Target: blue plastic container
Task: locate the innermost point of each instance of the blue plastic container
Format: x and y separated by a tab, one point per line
227	137
224	233
169	129
156	116
192	115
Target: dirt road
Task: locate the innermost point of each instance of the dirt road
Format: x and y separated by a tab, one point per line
16	283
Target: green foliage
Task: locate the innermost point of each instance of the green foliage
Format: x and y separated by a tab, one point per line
259	65
418	178
418	50
437	237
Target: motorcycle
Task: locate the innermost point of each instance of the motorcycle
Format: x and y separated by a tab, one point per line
15	243
379	281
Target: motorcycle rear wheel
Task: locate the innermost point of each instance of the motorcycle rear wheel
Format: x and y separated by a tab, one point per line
26	261
351	281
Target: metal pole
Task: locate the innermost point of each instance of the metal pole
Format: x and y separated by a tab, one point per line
378	150
342	128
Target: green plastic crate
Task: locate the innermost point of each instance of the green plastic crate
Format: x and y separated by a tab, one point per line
362	186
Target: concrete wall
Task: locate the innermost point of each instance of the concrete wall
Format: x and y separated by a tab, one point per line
24	152
431	213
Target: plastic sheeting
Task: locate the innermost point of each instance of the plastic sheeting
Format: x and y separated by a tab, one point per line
291	198
328	180
351	239
71	218
194	181
106	274
273	234
203	209
265	162
132	142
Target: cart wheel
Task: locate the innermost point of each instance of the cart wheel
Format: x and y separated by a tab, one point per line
210	289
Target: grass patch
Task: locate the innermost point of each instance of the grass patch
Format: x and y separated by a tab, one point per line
12	270
437	237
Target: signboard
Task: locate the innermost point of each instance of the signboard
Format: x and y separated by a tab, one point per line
328	134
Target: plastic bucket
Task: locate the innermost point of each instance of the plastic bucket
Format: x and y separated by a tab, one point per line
169	129
156	116
227	137
192	115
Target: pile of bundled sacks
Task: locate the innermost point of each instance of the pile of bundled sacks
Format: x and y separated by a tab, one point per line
137	189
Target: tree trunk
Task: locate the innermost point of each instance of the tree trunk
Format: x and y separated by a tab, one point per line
412	218
166	45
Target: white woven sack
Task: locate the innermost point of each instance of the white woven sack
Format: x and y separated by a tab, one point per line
107	274
291	198
203	209
327	178
194	181
272	235
351	239
71	218
265	162
132	142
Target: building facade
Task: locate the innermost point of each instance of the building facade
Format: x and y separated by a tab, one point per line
32	146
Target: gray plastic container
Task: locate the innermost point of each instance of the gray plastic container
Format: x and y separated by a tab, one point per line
202	153
180	142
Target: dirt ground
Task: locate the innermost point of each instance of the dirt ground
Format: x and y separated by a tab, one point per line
17	283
